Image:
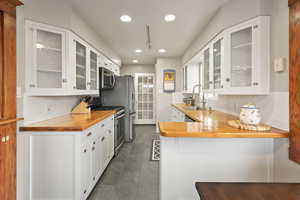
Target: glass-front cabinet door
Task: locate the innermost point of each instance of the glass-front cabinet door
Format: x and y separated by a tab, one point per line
206	69
218	64
249	57
81	66
241	65
45	57
94	60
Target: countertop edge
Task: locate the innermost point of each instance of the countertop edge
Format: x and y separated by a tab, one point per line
75	128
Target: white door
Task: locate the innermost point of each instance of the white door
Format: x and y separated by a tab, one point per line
145	98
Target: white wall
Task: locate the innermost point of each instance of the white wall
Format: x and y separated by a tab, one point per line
164	100
132	69
61	14
275	106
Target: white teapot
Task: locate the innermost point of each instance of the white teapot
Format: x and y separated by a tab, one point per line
250	114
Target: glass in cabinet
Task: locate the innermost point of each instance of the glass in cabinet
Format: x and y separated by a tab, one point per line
81	66
206	69
45	58
241	66
94	59
217	64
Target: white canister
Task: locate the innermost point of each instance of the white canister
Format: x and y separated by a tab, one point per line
250	114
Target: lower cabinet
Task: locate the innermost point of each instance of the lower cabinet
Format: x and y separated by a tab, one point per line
64	165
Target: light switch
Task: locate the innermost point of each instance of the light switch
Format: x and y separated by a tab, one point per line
279	64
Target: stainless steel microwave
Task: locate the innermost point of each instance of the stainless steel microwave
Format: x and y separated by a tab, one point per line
107	79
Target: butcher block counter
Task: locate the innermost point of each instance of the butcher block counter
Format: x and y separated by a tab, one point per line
69	122
211	124
209	150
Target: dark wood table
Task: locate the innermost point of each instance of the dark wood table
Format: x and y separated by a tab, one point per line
248	191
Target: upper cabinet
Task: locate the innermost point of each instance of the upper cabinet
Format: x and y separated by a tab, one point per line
45	57
192	77
249	57
237	61
58	62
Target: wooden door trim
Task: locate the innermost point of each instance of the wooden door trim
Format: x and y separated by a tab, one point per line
9	6
291	2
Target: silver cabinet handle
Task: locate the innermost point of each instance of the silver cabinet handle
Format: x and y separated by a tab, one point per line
89	134
84	151
102	125
102	139
227	79
93	148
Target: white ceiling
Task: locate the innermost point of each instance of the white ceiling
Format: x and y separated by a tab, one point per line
124	38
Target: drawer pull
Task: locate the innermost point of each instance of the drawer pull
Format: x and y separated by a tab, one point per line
89	134
94	142
84	151
93	148
84	191
94	178
103	138
102	125
109	131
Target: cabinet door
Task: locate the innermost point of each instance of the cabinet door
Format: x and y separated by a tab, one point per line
103	151
218	60
241	65
46	56
86	169
110	142
81	66
207	69
93	69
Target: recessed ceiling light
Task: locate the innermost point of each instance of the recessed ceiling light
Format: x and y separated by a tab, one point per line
135	61
170	17
138	51
162	51
125	18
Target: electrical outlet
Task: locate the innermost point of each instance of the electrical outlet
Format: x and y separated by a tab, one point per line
49	108
279	64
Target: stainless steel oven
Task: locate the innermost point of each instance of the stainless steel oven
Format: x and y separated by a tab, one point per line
107	79
119	130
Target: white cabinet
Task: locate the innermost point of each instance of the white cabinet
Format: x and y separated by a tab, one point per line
237	61
45	58
191	77
59	63
67	164
213	66
249	57
84	65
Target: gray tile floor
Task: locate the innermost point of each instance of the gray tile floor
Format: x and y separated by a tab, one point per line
131	175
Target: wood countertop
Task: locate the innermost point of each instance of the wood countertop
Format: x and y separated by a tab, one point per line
212	124
248	191
69	122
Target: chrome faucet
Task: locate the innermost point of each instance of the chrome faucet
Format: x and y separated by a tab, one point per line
195	86
203	97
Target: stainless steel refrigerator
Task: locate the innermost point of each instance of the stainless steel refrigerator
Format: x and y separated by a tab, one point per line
123	94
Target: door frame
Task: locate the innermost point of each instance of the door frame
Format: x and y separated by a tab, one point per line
136	98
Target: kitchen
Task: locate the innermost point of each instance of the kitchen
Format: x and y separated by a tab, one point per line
150	100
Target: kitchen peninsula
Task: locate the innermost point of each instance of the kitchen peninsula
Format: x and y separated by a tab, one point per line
209	150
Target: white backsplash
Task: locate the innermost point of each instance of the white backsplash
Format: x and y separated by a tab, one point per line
43	108
274	107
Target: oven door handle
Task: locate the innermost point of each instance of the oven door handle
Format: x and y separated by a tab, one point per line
119	117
